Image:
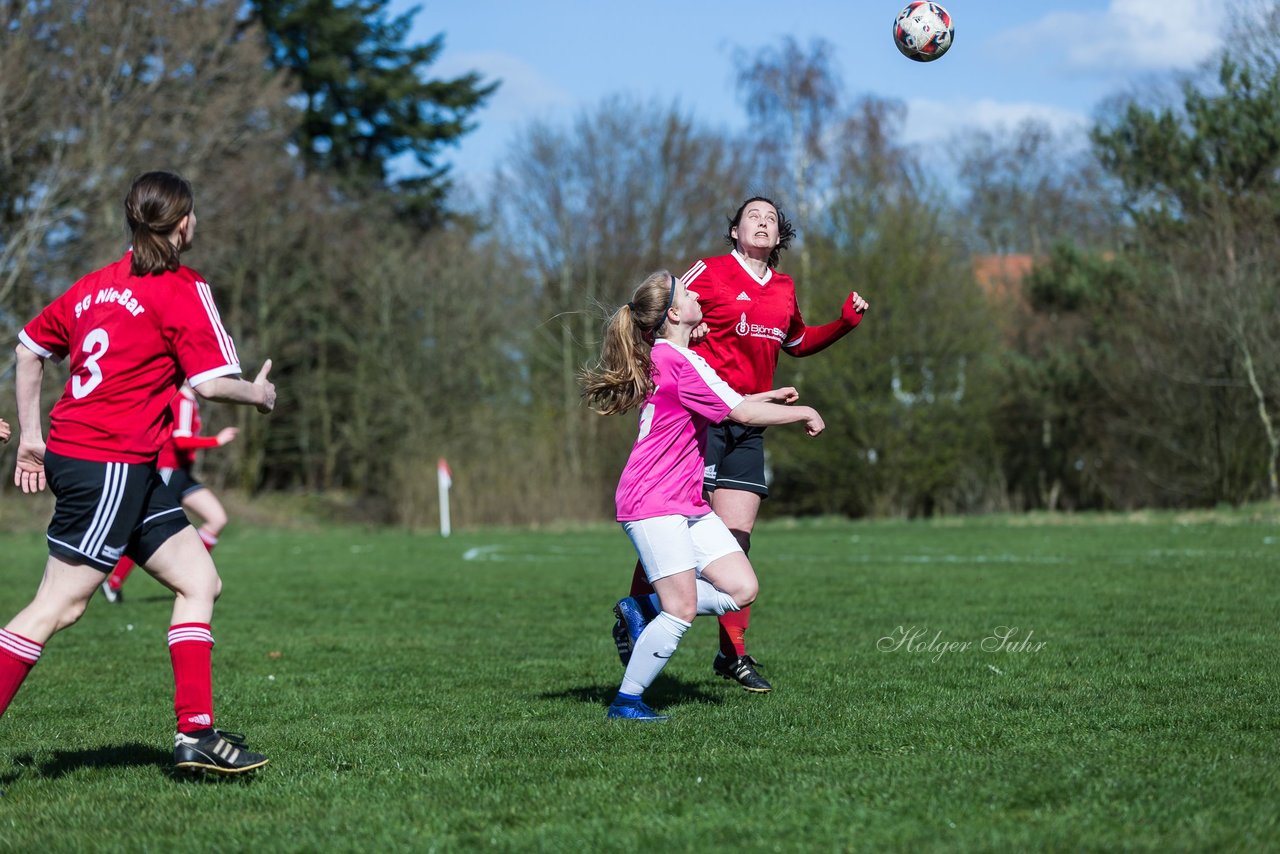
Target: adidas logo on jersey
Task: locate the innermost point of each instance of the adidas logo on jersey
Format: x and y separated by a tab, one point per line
743	296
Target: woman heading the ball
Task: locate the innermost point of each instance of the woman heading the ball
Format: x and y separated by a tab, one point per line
131	332
692	561
751	316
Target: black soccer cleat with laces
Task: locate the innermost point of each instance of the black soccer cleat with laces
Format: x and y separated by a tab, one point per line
742	669
216	752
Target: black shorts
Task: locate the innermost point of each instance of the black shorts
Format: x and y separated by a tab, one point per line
180	481
735	459
105	510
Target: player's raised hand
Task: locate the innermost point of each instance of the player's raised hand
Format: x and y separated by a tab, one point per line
698	333
5	433
853	309
226	435
268	388
29	473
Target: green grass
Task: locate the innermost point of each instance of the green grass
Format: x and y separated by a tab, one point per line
414	699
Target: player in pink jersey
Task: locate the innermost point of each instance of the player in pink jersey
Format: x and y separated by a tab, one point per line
690	558
750	316
132	332
175	464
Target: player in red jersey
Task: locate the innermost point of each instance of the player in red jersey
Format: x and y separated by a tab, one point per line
176	463
750	316
132	332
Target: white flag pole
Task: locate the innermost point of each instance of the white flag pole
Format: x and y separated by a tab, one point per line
444	480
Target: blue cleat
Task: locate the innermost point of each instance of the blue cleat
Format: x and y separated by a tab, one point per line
632	618
633	710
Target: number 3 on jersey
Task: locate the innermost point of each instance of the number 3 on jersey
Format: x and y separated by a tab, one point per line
646	417
95	345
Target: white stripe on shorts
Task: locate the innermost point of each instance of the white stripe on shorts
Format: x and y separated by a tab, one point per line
104	515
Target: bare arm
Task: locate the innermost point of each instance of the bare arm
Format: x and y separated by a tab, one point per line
760	413
260	393
786	394
29	374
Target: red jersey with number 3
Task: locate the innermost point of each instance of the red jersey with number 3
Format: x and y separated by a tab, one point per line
131	341
749	320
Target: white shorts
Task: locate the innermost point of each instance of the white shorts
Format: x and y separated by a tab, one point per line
671	544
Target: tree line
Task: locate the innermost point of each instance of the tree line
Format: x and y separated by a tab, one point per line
1132	367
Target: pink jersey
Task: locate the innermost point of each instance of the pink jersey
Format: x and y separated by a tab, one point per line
186	423
663	476
131	342
749	320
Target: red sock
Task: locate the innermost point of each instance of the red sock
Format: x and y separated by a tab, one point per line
17	656
207	537
190	649
733	629
120	573
640	585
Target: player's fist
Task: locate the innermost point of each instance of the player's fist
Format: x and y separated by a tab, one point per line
268	401
813	423
4	430
853	309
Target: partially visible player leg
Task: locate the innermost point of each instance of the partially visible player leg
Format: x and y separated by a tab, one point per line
738	508
213	517
176	557
655	646
59	602
113	585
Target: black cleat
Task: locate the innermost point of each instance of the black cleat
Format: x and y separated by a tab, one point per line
111	594
218	752
742	670
622	641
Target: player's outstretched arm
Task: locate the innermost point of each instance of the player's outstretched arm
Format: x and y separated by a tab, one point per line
786	394
759	413
818	338
28	376
260	393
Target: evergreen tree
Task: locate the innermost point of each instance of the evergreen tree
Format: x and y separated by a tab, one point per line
366	97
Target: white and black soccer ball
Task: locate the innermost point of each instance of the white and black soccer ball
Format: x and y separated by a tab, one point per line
923	31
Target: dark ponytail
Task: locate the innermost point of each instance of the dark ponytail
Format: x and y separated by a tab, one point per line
157	202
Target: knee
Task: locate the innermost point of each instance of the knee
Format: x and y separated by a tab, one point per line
685	611
69	614
747	592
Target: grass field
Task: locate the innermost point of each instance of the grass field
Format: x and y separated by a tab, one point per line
424	694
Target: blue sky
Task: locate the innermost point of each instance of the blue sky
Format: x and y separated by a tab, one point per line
1052	59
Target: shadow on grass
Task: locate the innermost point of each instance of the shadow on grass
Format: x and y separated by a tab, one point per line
666	691
62	762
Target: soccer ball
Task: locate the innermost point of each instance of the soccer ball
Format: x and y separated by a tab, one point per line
923	31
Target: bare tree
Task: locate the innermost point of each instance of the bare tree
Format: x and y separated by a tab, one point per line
630	188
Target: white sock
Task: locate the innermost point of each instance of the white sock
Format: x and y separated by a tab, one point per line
655	645
713	600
